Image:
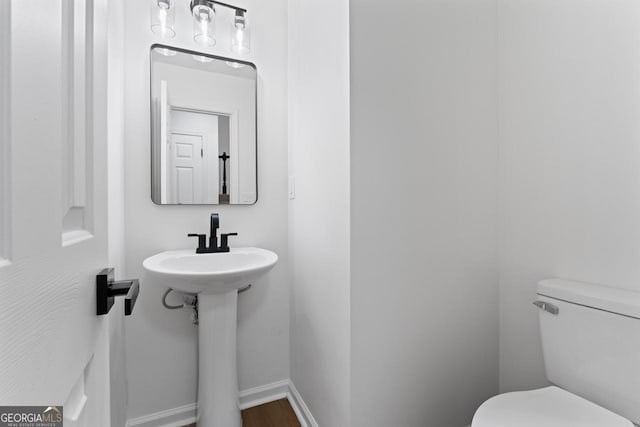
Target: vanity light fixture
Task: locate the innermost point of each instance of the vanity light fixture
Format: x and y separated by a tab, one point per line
204	22
165	52
240	34
202	58
234	64
163	14
203	13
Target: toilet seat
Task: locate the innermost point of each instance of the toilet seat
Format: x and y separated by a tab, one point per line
545	407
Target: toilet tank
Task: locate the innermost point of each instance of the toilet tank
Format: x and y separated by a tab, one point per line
591	342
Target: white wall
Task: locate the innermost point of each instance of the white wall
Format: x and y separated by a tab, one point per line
319	215
424	300
161	344
569	159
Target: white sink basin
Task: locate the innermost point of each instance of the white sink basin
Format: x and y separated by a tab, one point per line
215	273
215	278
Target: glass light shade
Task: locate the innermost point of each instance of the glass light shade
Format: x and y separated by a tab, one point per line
201	58
163	14
234	64
240	35
204	25
165	52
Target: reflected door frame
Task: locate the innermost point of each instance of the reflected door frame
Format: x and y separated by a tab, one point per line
233	167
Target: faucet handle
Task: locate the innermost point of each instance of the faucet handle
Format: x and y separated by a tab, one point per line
202	241
224	241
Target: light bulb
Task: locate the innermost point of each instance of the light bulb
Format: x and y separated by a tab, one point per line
165	51
203	23
240	34
163	18
234	64
201	58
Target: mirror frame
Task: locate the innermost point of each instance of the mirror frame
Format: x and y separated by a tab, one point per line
221	58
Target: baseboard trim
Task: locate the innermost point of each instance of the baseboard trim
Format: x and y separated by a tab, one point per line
263	394
176	417
249	398
300	407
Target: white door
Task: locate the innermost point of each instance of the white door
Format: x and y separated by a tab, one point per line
194	127
53	346
185	170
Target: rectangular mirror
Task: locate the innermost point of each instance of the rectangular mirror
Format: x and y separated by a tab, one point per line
203	129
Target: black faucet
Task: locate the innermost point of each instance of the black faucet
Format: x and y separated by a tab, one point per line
213	230
213	238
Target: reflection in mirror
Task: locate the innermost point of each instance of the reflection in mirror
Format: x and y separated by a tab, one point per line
203	139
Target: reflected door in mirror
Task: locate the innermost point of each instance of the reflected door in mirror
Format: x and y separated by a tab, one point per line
203	129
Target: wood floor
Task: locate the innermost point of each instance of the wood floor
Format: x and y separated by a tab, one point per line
274	414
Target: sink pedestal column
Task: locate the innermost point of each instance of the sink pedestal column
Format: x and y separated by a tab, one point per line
218	404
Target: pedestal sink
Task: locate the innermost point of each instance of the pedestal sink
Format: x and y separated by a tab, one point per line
216	278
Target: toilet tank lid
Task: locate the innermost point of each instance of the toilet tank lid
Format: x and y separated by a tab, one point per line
614	300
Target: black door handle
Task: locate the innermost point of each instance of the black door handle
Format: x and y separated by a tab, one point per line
107	289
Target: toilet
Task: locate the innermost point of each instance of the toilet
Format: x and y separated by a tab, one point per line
591	345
